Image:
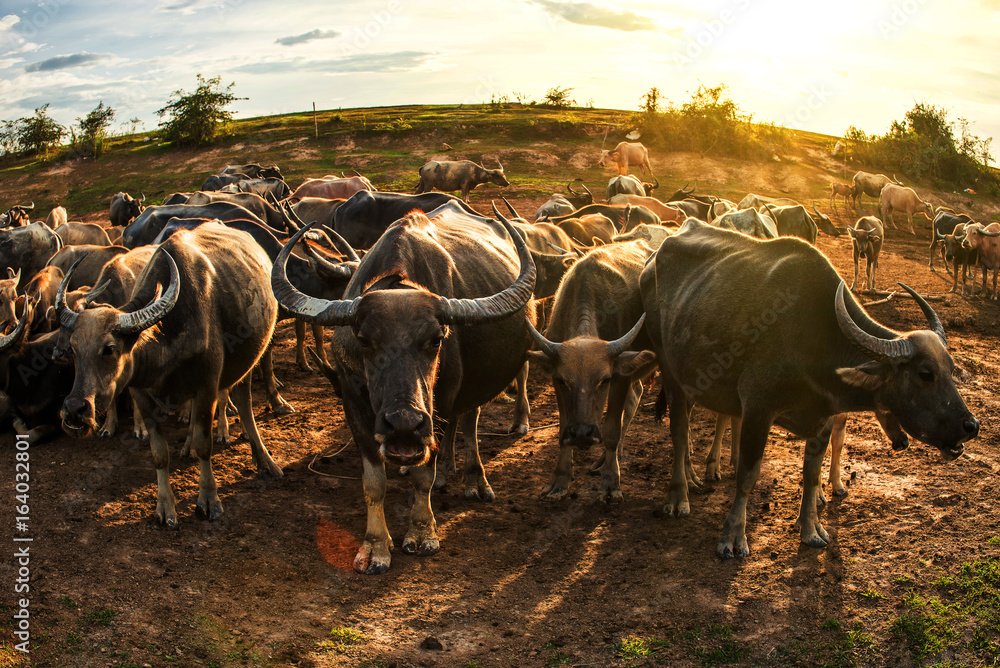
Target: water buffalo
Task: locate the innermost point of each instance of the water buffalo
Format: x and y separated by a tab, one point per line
464	175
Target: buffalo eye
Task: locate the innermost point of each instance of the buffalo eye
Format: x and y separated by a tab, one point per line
435	342
926	376
604	381
108	350
364	343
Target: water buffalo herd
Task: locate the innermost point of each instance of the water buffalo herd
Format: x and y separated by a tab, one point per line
438	307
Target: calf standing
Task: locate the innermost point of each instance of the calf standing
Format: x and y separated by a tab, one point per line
866	235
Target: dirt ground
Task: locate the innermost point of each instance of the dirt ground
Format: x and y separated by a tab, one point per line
520	581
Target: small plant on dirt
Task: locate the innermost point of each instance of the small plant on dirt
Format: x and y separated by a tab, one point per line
903	581
340	638
557	656
102	617
871	594
637	647
68	602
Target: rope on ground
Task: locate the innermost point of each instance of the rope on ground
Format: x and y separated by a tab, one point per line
530	429
324	455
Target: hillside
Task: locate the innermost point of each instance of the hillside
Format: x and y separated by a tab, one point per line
540	148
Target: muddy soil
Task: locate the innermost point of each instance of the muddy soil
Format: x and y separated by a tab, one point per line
520	581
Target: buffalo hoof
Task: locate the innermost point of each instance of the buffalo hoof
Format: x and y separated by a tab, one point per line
212	513
841	492
813	534
167	520
370	561
519	429
679	509
423	548
105	433
480	493
304	366
554	491
282	407
223	440
713	472
269	471
612	497
728	550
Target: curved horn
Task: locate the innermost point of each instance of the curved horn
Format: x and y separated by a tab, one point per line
146	317
898	182
311	309
898	349
618	346
291	219
932	317
500	163
937	235
334	268
513	298
818	212
512	210
343	245
97	292
588	190
67	317
684	189
656	183
15	336
562	250
30	207
550	348
985	233
569	189
143	197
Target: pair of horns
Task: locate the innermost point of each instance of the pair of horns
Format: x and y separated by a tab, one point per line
615	348
125	323
886	345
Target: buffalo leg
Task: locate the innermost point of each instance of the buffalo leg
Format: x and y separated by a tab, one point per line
318	337
713	465
209	505
837	447
753	437
563	475
473	473
222	420
521	408
110	425
166	507
934	243
274	399
138	425
677	504
300	345
613	431
854	284
240	394
446	457
810	529
421	538
375	553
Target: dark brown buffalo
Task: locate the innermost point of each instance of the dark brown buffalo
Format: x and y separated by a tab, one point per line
86	273
432	324
464	175
213	321
125	209
595	351
78	234
768	331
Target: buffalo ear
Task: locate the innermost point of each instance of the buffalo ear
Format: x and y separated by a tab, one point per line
870	376
541	359
876	240
636	364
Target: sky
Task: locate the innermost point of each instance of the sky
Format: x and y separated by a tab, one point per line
805	65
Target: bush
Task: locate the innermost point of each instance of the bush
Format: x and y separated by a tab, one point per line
197	118
93	131
559	97
923	145
709	123
32	135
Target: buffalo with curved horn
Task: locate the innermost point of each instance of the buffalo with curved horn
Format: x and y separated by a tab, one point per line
768	331
431	324
213	322
600	357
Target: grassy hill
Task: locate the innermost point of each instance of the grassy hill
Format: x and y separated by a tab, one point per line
540	148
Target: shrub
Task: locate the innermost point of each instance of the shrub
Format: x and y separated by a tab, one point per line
93	131
198	117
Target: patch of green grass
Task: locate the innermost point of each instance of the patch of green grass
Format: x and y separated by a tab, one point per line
68	602
102	617
871	594
903	581
995	540
632	647
340	639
